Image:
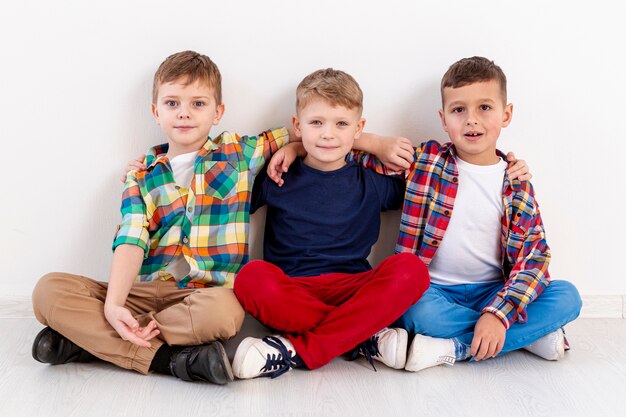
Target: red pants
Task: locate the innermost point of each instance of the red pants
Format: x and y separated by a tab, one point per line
327	315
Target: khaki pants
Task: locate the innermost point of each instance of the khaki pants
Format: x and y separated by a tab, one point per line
74	306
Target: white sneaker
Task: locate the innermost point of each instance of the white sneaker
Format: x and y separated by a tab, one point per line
387	346
392	346
426	351
271	357
550	347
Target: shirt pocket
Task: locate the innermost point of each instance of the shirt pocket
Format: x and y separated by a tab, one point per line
220	179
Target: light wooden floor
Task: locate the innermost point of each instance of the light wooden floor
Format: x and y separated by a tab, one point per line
590	381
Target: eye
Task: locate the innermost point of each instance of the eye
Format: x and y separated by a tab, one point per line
170	103
458	110
342	124
315	123
198	103
485	107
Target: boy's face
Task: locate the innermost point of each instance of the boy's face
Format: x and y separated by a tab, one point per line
186	114
327	132
473	116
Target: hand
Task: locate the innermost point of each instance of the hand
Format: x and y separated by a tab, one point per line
280	163
396	153
128	328
489	335
134	165
518	168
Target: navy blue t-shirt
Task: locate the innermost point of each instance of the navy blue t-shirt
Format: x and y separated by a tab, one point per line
324	221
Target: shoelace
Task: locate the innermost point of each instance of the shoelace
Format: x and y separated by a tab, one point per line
277	364
369	349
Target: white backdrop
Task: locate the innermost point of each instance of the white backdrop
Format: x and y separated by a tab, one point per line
76	80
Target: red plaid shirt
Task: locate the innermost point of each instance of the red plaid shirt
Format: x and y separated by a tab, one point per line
431	186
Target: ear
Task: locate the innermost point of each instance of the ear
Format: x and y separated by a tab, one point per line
296	125
359	128
443	120
219	112
508	115
155	113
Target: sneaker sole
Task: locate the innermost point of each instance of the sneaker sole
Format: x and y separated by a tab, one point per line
402	348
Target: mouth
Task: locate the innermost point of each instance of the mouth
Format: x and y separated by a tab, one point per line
183	128
473	136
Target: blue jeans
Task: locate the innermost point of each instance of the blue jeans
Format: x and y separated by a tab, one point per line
451	311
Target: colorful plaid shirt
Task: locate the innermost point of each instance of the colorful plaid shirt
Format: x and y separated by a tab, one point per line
431	188
206	223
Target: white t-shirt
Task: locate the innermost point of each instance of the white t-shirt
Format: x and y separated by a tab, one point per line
470	251
183	168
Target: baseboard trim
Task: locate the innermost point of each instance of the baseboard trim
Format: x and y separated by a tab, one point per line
594	306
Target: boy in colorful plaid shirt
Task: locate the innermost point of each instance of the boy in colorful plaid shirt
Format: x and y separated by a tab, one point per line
496	234
183	237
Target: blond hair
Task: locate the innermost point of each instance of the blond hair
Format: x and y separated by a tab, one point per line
335	87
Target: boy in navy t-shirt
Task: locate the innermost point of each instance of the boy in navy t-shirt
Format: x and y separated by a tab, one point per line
315	284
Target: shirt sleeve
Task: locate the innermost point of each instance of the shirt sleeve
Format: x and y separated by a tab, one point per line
133	229
528	255
390	190
259	149
368	161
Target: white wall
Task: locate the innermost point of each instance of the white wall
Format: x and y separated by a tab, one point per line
76	79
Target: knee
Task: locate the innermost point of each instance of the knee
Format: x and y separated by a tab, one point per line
571	301
226	316
46	293
420	318
411	274
256	281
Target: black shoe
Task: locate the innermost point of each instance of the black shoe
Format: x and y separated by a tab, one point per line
202	363
53	348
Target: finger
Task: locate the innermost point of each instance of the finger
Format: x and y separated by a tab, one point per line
510	157
129	321
498	349
525	177
141	158
482	350
475	345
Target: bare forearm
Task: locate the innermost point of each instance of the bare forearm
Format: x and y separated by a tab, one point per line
368	142
125	266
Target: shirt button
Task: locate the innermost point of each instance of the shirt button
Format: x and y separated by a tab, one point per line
435	242
447	212
177	187
455	179
190	209
518	214
185	240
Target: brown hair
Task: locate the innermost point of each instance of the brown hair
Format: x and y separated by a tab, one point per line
336	87
473	70
191	65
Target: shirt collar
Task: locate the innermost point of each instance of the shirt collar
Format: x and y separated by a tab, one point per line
515	185
157	154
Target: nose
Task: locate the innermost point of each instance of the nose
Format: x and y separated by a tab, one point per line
183	113
471	118
327	133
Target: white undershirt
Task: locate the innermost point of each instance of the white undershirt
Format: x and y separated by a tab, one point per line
470	251
183	169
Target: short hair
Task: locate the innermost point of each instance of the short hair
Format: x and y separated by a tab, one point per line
473	70
334	86
191	65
